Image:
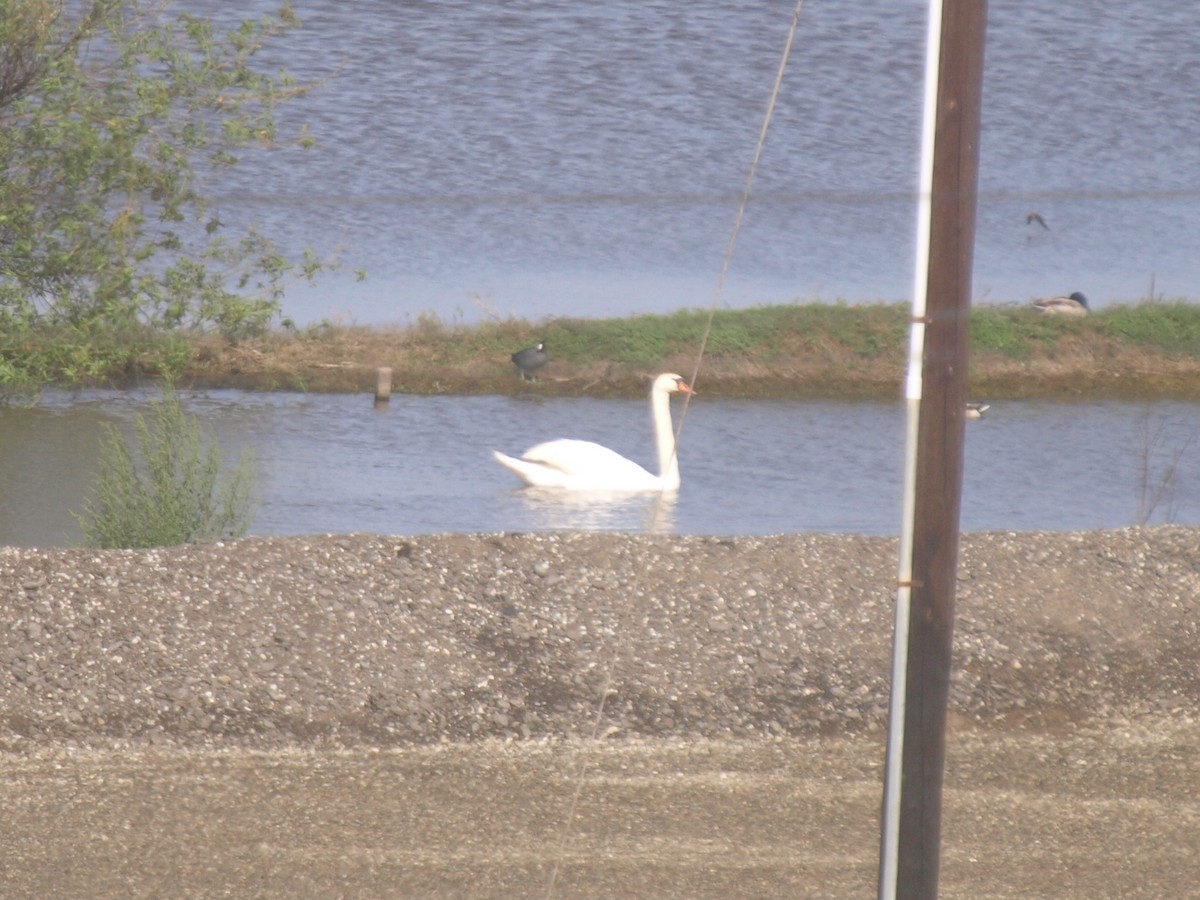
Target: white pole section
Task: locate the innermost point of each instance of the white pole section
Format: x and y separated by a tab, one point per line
889	845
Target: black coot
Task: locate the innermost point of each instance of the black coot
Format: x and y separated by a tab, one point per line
530	360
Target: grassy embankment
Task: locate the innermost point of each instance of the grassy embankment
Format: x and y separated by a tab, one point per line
804	350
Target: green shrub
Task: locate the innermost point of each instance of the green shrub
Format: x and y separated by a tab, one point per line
166	486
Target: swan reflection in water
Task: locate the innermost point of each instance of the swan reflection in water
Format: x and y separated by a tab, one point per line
554	510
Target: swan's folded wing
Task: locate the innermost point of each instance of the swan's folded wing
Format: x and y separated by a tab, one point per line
578	465
584	459
534	474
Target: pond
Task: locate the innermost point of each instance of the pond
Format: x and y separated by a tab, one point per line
421	465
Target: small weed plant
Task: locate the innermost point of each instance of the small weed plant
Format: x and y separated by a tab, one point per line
1158	469
166	485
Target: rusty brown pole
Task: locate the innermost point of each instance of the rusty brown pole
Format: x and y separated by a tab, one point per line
925	654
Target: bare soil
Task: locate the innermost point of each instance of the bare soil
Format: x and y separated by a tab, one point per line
365	715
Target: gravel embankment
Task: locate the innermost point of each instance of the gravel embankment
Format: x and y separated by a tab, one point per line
372	640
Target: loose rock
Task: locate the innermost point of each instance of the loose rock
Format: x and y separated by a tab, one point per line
347	641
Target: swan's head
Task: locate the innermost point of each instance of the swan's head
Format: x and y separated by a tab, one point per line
670	383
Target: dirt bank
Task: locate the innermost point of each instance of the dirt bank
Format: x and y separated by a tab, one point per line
807	366
384	641
411	717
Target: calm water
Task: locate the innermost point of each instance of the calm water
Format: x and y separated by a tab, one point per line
332	463
555	157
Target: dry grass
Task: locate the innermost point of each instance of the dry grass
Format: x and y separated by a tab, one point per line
347	362
1108	370
794	352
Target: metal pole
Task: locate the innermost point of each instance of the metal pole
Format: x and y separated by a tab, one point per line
936	394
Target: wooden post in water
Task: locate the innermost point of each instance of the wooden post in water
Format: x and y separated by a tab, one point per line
383	385
936	393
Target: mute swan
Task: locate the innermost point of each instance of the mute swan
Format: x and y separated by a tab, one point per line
530	360
1075	305
572	465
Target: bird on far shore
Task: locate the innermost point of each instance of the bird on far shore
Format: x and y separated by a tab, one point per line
1074	305
976	410
530	360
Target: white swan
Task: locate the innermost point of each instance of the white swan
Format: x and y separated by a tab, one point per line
572	465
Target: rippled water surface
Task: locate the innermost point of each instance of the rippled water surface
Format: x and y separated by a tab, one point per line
555	157
333	463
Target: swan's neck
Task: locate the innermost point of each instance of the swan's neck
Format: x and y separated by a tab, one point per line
664	439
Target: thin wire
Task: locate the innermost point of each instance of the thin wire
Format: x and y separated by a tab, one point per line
737	225
737	222
605	690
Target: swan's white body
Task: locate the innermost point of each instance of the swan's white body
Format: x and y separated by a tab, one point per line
572	465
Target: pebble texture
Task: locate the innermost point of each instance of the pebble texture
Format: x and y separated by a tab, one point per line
367	640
